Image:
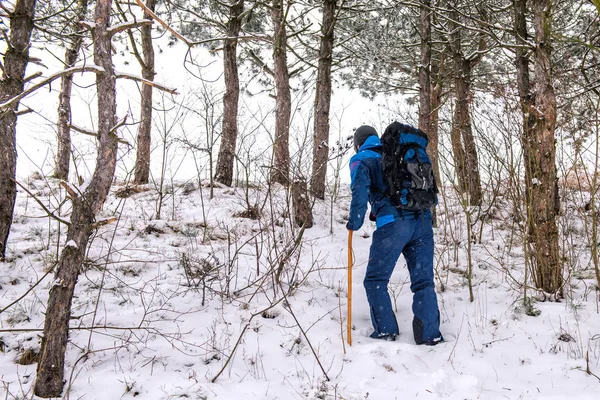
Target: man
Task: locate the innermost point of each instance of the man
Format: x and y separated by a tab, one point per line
398	232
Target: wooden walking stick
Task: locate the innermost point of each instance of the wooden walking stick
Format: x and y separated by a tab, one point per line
350	262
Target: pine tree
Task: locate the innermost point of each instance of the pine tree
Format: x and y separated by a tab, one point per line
12	83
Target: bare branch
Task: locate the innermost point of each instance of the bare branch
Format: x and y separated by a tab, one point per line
50	213
103	222
260	62
6	10
50	79
32	77
27	110
29	290
70	192
92	133
134	47
164	24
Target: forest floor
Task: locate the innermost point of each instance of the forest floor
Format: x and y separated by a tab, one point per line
188	305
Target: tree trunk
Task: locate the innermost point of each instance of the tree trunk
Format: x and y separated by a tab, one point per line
525	96
543	187
63	155
301	204
424	69
323	101
11	85
144	138
50	370
229	135
426	91
437	72
283	100
539	119
463	142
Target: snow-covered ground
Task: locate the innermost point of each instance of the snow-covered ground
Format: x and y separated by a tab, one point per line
188	307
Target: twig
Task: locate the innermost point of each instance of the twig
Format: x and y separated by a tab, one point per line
239	340
456	341
104	270
6	10
29	290
289	308
288	254
50	213
587	363
119	124
341	319
497	340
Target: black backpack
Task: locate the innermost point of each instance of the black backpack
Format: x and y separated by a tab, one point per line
407	170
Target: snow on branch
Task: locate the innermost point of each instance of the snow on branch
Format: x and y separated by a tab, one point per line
50	79
146	82
128	25
87	24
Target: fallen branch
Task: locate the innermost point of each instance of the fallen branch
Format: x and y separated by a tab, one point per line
50	213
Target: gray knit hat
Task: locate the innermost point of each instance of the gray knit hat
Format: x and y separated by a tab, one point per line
362	133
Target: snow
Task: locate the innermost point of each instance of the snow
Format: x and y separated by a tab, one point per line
178	292
179	320
71	243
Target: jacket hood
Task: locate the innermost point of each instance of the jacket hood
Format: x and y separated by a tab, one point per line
372	142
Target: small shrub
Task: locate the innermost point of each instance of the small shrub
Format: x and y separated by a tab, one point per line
28	357
251	213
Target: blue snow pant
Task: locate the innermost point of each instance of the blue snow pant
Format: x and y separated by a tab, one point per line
414	239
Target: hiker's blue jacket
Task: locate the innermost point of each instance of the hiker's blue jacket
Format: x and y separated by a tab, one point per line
368	186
